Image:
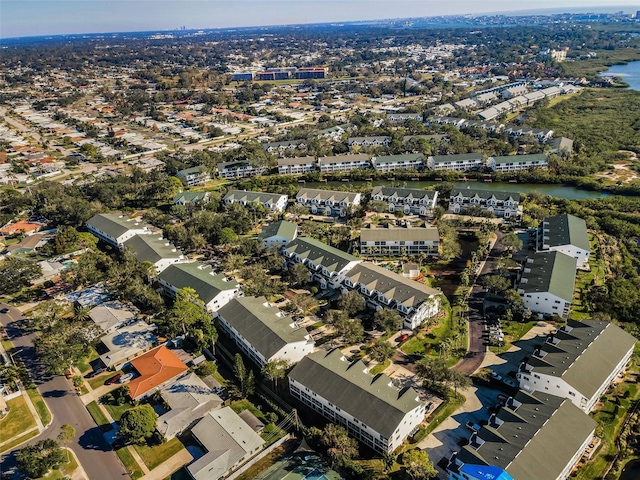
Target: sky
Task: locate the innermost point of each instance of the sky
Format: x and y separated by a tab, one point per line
22	18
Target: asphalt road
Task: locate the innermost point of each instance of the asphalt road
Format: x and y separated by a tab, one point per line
89	445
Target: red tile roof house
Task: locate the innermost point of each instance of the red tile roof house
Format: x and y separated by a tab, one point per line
155	368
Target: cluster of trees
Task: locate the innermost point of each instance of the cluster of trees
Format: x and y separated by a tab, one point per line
17	273
438	377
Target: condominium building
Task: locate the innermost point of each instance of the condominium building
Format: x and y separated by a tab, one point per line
193	176
344	163
296	166
500	204
155	250
460	163
395	241
239	169
564	233
407	200
115	228
328	202
274	202
516	163
391	163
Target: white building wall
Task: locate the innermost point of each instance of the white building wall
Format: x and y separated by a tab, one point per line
580	255
163	263
119	241
546	304
294	352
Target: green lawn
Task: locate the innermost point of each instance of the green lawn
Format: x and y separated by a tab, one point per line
244	404
84	364
98	416
41	407
17	421
65	470
513	331
98	381
154	456
380	367
18	441
129	463
116	411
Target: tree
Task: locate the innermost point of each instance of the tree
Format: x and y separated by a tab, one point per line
341	448
351	330
138	424
299	274
381	350
418	465
449	244
190	317
36	460
351	303
458	380
432	370
16	273
388	319
275	370
511	242
495	283
67	432
514	300
244	376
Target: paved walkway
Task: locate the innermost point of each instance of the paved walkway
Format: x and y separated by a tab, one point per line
168	467
78	473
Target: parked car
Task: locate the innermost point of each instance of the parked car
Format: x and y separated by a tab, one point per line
496	377
402	337
125	378
4	310
113	379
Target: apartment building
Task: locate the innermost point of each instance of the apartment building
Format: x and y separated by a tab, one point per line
460	163
396	241
273	202
516	163
193	176
115	229
379	141
239	169
391	163
344	163
296	166
500	204
328	202
408	200
564	233
155	250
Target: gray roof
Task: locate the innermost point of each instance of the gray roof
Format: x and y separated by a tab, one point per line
320	253
114	224
263	325
227	439
361	157
191	171
397	234
485	194
202	279
585	355
189	399
552	272
282	228
407	157
323	195
532	157
151	248
371	399
561	143
566	230
190	197
110	315
404	193
392	285
127	342
296	161
540	435
457	157
248	196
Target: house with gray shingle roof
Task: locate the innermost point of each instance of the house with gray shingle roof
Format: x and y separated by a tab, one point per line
375	412
408	200
274	202
328	265
278	233
263	332
567	234
500	204
184	198
215	290
534	436
578	361
382	288
115	228
546	283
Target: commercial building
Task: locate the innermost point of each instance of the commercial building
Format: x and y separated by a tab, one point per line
500	204
578	361
263	332
371	409
407	200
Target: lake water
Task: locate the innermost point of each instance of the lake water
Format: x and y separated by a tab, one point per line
629	73
631	471
561	191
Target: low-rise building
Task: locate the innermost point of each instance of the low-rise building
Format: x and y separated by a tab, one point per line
109	316
115	228
391	163
125	343
191	198
564	233
215	290
228	442
296	166
537	436
344	163
155	250
562	146
263	332
407	200
460	163
379	141
155	370
371	409
395	241
328	265
382	288
239	169
500	204
273	202
278	233
578	361
516	163
546	283
193	176
328	202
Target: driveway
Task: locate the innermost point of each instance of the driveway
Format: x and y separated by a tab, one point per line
93	452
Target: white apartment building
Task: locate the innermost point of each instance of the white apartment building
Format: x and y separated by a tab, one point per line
263	332
459	163
391	163
193	176
516	163
371	409
408	200
239	169
274	202
155	250
115	228
394	241
500	204
564	233
296	166
379	141
278	233
578	362
344	163
546	283
328	202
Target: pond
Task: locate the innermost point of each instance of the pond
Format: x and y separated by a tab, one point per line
561	191
629	73
631	471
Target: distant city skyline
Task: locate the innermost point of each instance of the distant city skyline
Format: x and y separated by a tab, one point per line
23	18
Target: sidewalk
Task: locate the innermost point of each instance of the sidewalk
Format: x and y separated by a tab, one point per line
170	466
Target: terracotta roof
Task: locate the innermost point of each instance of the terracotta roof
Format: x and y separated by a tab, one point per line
155	367
23	226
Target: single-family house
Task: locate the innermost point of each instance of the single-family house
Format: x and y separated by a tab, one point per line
109	316
155	369
125	343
